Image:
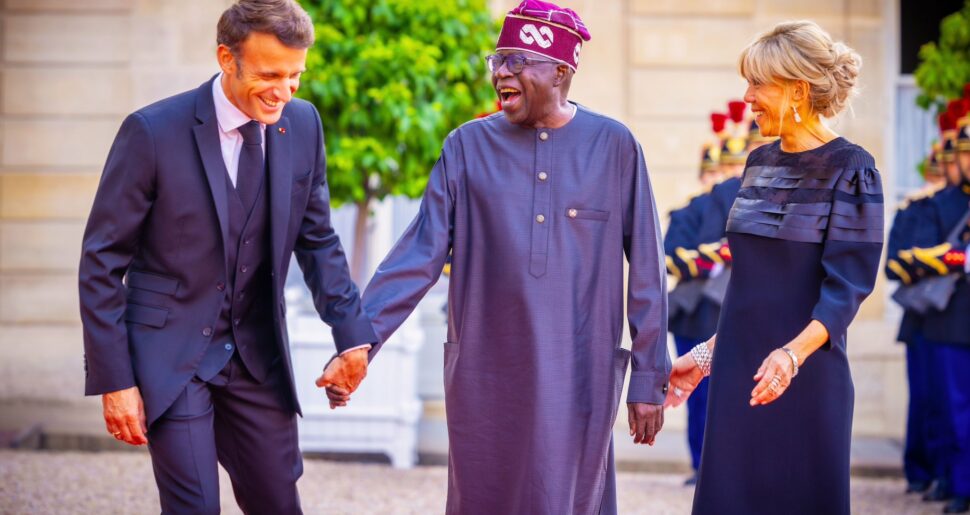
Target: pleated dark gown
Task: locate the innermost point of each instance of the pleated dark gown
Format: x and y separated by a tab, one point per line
806	235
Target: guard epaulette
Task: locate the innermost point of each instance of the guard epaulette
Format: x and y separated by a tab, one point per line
908	200
680	206
913	197
690	199
935	189
922	194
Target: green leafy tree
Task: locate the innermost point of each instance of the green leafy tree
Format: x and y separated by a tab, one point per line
391	79
945	66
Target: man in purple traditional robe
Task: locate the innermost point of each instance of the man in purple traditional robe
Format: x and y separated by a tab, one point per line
538	205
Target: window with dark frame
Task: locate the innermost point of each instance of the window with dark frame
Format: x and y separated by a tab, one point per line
919	23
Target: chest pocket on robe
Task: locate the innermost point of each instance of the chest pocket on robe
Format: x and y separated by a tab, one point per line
587	214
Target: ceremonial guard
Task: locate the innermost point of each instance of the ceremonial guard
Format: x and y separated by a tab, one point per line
918	462
937	264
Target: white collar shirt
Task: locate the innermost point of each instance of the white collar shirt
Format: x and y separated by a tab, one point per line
230	118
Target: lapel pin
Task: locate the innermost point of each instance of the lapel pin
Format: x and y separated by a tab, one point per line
282	130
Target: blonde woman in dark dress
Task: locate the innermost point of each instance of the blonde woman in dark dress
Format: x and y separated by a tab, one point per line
805	234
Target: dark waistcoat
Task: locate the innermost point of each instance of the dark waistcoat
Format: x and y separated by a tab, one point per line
245	322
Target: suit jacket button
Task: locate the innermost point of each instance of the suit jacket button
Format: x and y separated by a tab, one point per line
207	332
221	286
236	321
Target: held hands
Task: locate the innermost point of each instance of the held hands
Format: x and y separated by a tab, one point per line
684	378
343	375
774	376
646	420
124	416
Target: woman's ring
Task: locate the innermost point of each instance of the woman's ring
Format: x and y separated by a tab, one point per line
774	384
678	392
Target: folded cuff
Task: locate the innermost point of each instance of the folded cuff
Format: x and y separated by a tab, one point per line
353	333
647	387
113	381
832	325
364	346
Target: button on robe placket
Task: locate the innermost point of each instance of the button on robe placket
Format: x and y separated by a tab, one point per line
541	195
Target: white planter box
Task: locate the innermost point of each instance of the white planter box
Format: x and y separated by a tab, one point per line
383	413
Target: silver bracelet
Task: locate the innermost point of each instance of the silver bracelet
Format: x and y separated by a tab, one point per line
794	360
703	357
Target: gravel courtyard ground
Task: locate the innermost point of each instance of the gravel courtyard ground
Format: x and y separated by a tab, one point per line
39	482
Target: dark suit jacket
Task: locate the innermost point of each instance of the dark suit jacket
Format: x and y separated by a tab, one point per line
160	219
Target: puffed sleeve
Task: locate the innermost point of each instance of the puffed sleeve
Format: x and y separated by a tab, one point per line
852	248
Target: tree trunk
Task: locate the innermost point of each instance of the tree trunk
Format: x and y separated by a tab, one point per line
359	255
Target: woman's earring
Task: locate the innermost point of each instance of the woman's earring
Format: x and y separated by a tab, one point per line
798	117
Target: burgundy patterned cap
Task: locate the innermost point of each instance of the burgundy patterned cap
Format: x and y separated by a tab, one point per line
546	29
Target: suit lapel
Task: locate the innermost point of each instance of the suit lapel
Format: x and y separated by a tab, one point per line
210	150
278	152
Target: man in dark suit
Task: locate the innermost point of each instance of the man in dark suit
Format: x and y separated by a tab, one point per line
204	197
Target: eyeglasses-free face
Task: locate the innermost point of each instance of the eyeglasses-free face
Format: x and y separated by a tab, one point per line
514	62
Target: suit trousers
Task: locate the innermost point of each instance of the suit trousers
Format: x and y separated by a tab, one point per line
248	427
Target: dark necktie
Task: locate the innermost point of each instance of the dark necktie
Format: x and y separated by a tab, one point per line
250	171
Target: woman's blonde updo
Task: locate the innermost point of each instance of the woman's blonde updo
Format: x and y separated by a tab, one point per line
801	50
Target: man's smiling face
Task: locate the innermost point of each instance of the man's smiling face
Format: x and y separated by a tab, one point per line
263	77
